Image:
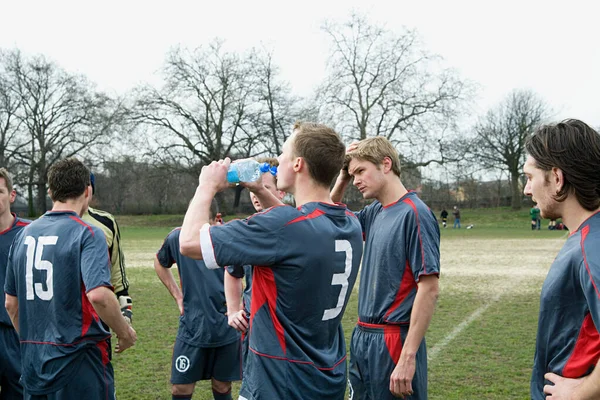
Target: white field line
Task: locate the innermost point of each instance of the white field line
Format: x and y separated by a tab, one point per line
438	347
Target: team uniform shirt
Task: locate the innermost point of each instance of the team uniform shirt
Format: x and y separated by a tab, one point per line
203	323
305	265
53	263
238	271
6	238
568	342
109	226
402	243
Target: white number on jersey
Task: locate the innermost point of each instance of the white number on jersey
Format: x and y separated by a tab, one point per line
34	259
340	279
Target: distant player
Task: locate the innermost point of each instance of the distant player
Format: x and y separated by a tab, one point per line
238	315
444	216
118	277
206	346
10	225
562	178
305	264
399	277
57	287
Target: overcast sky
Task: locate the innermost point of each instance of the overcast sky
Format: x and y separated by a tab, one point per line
549	47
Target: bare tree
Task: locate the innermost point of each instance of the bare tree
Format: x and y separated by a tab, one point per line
62	114
201	112
384	84
502	133
12	139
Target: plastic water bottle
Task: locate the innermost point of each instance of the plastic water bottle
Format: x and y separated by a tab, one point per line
248	171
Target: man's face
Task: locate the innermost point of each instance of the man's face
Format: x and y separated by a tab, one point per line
6	197
541	190
369	178
270	183
285	171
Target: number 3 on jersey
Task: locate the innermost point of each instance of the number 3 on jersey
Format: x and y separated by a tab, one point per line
34	259
340	279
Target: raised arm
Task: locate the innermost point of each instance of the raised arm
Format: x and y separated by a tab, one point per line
341	184
213	179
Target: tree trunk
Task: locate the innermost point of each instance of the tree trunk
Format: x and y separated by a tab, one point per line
41	197
517	195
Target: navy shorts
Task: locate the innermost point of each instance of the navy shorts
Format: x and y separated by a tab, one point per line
94	379
191	363
10	366
375	350
274	378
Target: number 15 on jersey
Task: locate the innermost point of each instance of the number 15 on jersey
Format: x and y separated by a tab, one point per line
34	260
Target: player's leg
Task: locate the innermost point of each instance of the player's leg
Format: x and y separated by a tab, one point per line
227	367
189	365
10	368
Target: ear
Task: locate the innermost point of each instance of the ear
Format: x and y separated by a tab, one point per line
299	164
557	178
387	165
13	196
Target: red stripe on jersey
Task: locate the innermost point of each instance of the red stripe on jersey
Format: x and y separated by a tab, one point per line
406	286
87	311
393	342
586	352
82	223
584	233
22	223
299	361
103	347
264	290
316	213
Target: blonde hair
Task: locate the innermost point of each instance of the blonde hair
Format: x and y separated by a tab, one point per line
374	150
4	174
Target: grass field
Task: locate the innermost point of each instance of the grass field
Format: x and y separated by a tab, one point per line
481	340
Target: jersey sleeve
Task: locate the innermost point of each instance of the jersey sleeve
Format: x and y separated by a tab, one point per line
10	283
422	236
165	254
237	271
95	264
251	241
119	277
589	276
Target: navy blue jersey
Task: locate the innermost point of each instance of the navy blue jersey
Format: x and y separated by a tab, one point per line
402	243
568	342
53	263
6	238
241	272
305	264
203	323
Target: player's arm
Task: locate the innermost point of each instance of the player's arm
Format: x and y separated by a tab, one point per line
266	197
106	305
341	184
422	311
119	276
213	179
166	277
11	304
233	293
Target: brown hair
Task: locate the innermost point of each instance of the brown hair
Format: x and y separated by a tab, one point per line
9	183
574	148
68	179
322	149
375	149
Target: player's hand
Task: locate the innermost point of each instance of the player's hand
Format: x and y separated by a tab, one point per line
214	175
126	341
402	376
563	387
255	186
353	146
238	321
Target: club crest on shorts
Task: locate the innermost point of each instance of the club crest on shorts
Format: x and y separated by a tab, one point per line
182	363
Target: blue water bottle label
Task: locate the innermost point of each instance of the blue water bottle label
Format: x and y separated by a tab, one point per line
232	176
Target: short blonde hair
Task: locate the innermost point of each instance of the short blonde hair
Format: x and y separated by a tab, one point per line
4	174
374	150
